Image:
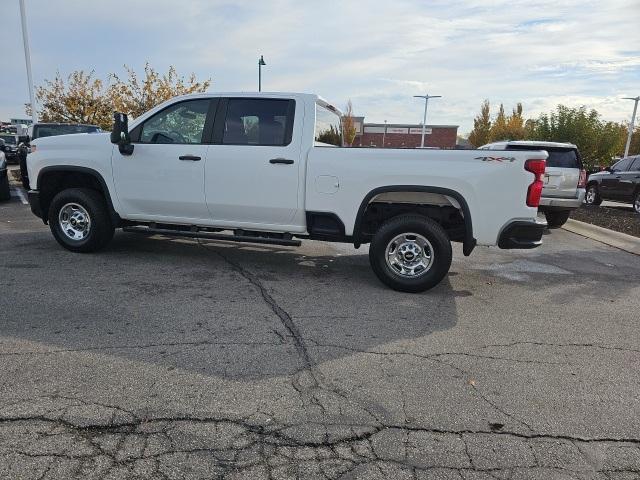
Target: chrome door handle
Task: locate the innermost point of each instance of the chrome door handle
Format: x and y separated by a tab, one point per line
284	161
193	158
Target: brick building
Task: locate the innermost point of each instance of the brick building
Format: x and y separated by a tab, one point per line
403	135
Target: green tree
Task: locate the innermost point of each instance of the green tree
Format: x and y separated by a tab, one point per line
597	140
481	126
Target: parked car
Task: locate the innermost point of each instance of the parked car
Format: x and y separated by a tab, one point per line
41	129
619	183
564	177
248	164
4	178
9	146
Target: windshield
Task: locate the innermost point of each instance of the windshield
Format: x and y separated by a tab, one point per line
40	131
8	139
558	157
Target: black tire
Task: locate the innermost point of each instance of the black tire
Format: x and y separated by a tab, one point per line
595	198
411	224
101	229
557	218
636	202
4	187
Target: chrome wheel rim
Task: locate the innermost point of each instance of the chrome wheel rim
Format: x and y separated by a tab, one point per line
591	195
636	204
74	221
409	255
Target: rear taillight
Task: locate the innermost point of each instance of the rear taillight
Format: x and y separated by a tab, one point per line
582	182
535	189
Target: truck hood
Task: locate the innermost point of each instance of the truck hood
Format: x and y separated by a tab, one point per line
72	139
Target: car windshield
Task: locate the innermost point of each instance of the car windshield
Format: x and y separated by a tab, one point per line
558	157
40	131
8	139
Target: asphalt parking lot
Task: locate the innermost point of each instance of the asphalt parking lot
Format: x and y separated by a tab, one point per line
169	359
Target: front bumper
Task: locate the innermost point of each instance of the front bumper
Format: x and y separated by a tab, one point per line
34	201
521	234
559	203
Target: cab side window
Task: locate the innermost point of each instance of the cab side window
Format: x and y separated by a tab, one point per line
253	121
181	123
623	165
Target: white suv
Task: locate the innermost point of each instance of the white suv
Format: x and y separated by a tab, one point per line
564	178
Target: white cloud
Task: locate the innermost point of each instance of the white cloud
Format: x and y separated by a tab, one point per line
378	53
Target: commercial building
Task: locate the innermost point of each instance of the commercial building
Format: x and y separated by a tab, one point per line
403	135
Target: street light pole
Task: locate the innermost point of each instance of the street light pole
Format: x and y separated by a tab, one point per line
27	59
632	124
261	62
384	134
424	119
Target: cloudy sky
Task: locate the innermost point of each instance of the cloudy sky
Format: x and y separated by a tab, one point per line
376	53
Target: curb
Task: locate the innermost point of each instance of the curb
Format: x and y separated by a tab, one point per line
625	242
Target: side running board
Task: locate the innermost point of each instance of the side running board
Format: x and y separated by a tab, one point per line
254	237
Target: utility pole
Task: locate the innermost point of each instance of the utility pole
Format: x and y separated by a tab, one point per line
261	62
27	59
424	119
384	134
632	124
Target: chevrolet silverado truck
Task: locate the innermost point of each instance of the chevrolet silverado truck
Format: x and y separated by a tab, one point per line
262	168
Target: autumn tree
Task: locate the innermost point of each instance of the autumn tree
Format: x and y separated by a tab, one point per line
135	96
349	125
499	128
82	98
78	99
516	124
481	126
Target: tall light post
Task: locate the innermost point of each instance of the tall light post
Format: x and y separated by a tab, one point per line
424	119
632	124
261	62
27	60
384	134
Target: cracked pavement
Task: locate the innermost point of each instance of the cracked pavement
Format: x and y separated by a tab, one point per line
174	359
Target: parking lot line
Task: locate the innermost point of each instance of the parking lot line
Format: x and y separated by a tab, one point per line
17	191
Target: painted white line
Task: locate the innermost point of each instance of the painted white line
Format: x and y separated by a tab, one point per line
20	194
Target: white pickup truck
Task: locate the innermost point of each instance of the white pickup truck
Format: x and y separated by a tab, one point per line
258	168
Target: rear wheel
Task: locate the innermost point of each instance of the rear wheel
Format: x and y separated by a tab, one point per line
558	218
79	220
410	253
592	197
636	202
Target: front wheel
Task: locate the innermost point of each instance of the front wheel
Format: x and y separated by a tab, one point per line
636	202
558	218
592	197
410	253
80	221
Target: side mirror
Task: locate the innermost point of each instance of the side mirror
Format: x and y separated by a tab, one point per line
608	169
120	133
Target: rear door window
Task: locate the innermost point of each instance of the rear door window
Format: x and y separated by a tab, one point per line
635	166
258	121
558	157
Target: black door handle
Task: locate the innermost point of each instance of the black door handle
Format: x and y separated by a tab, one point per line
284	161
193	158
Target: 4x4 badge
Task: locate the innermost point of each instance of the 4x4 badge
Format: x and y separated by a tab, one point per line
496	159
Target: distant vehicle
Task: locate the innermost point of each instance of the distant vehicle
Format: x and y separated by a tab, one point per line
40	130
564	177
619	183
4	179
9	146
